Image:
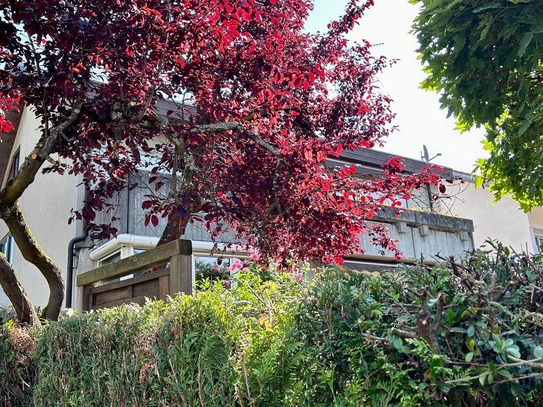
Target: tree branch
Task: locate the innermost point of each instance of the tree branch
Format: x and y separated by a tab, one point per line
16	293
33	253
229	126
404	334
33	162
529	363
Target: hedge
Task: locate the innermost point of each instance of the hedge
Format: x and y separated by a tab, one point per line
464	334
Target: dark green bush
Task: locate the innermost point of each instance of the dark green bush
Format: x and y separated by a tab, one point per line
348	358
464	334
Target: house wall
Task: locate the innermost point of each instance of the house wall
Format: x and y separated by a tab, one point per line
48	201
535	217
502	220
46	205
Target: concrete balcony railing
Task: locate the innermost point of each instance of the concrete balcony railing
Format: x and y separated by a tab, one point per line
422	234
419	234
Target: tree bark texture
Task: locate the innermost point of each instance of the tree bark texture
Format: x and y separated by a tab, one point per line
11	213
16	293
33	253
175	228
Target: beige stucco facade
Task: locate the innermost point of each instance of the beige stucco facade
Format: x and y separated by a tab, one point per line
46	205
501	220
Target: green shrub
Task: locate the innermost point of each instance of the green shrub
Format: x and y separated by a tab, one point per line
348	358
457	335
217	348
96	359
17	368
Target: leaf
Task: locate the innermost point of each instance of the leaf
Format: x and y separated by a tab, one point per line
457	330
505	373
501	307
526	39
479	181
396	342
485	31
443	387
482	379
487	7
469	357
538	352
489	378
471	330
513	351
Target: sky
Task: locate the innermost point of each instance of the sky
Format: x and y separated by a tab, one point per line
421	122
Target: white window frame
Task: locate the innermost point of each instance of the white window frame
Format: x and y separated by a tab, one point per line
538	242
537	239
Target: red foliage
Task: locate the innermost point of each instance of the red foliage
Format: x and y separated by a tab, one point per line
259	105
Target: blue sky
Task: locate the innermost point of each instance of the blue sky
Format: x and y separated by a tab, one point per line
419	117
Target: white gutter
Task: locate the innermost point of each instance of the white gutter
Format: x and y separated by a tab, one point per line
199	248
139	242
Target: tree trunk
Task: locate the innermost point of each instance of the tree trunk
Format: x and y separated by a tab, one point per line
16	293
33	253
11	213
175	228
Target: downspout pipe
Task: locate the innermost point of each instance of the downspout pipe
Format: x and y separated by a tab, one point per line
70	271
71	255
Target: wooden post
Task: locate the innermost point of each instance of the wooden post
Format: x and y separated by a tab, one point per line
82	299
163	287
181	274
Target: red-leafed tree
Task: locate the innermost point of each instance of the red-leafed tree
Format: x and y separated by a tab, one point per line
255	106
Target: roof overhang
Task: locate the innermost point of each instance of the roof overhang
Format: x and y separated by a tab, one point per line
372	161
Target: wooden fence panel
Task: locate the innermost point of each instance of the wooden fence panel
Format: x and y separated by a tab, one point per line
98	291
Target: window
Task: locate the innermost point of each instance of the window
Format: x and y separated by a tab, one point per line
113	257
538	243
14	168
6	247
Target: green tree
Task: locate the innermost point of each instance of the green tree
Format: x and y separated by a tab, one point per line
484	56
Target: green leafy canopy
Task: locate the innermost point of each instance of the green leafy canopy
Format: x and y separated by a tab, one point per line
484	57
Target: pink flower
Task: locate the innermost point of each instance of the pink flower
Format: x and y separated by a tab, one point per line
254	255
244	270
298	277
236	265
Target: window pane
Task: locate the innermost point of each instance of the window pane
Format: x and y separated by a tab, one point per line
6	247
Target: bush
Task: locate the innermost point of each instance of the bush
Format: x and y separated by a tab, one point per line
458	335
17	368
346	349
217	348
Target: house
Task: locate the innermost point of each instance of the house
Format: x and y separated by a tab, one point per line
501	220
48	201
